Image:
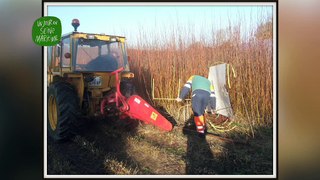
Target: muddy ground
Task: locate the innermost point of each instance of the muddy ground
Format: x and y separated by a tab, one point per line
110	147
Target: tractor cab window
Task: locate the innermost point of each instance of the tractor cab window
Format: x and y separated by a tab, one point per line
114	50
98	55
65	49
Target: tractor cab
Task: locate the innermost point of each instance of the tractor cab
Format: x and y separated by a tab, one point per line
88	52
92	53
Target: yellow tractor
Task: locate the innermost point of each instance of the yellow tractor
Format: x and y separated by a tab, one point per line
89	75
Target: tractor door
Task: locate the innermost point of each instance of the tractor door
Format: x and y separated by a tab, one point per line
53	63
66	55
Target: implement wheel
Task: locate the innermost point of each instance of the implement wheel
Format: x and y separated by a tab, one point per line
64	116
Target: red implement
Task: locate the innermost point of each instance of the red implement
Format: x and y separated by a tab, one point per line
141	110
135	107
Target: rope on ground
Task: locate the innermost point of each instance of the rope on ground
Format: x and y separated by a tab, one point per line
221	128
186	111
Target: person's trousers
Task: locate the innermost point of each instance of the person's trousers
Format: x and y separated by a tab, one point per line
200	99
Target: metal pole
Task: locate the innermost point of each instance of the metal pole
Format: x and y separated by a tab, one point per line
152	92
178	88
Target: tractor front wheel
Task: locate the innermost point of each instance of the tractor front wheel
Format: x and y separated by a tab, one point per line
64	116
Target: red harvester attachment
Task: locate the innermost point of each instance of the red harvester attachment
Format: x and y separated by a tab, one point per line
135	107
141	110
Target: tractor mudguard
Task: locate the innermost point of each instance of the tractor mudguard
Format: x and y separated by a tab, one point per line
141	110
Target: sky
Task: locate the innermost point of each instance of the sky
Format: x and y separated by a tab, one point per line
157	21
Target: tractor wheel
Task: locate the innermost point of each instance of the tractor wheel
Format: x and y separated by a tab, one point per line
64	116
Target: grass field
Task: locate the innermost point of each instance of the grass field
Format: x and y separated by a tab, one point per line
108	148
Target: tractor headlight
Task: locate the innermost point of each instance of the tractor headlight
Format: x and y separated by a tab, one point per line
127	75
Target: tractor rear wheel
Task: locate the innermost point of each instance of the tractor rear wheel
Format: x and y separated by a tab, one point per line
64	116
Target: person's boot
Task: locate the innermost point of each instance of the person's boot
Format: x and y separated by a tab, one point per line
205	125
199	121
